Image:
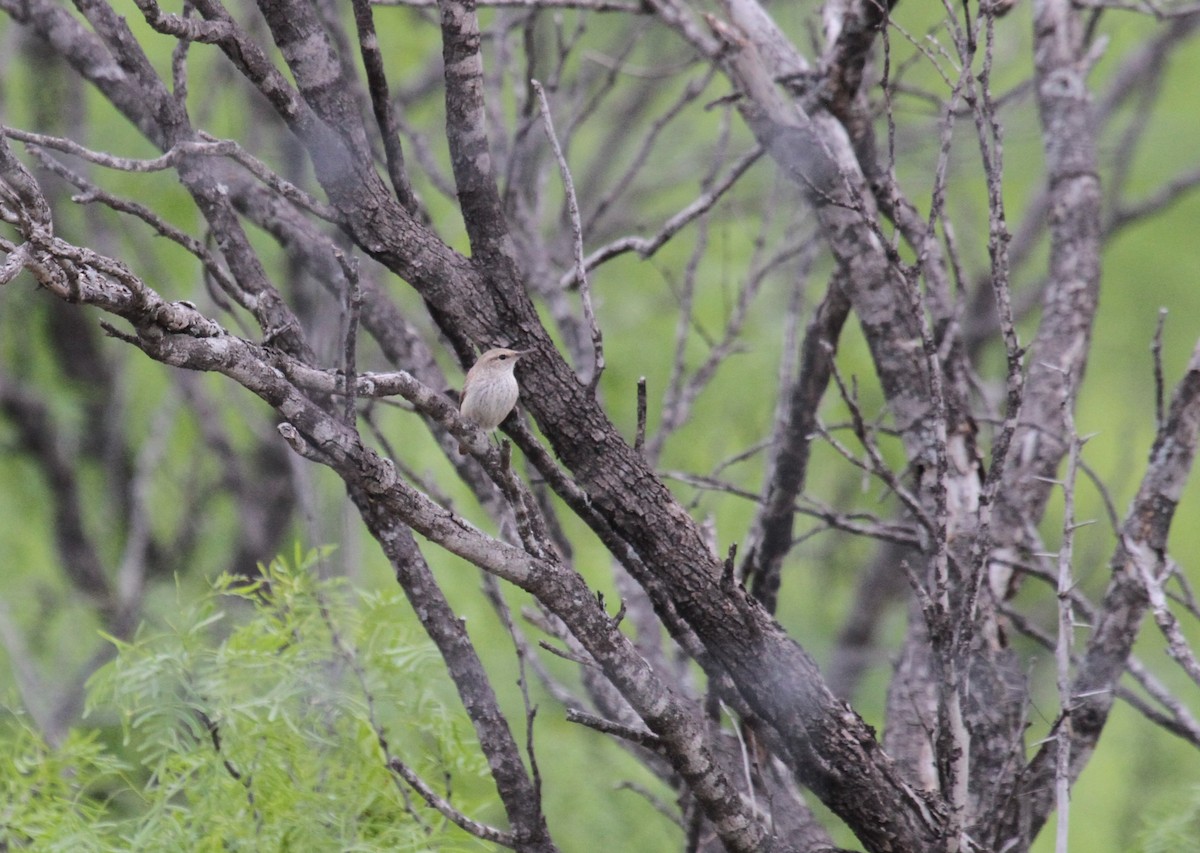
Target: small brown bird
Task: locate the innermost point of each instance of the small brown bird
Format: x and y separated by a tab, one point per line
491	389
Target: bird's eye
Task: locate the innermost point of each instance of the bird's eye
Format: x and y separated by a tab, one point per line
502	357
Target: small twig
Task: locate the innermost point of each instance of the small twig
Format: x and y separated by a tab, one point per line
1164	197
1168	624
727	571
479	830
619	186
1063	648
243	779
93	194
588	5
639	439
656	803
642	737
164	161
875	464
928	610
372	57
205	146
1178	719
349	656
566	654
523	656
742	455
531	710
858	524
646	247
1187	596
353	307
748	761
1156	353
495	597
619	616
585	289
1175	719
179	66
1145	7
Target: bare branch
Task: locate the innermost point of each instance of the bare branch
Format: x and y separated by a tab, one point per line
585	289
1141	547
589	5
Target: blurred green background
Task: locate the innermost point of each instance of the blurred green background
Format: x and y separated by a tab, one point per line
1139	775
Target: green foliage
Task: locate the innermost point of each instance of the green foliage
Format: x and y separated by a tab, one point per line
48	794
259	718
1176	831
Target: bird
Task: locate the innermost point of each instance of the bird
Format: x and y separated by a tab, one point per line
490	391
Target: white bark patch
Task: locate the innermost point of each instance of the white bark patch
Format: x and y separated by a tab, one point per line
312	61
